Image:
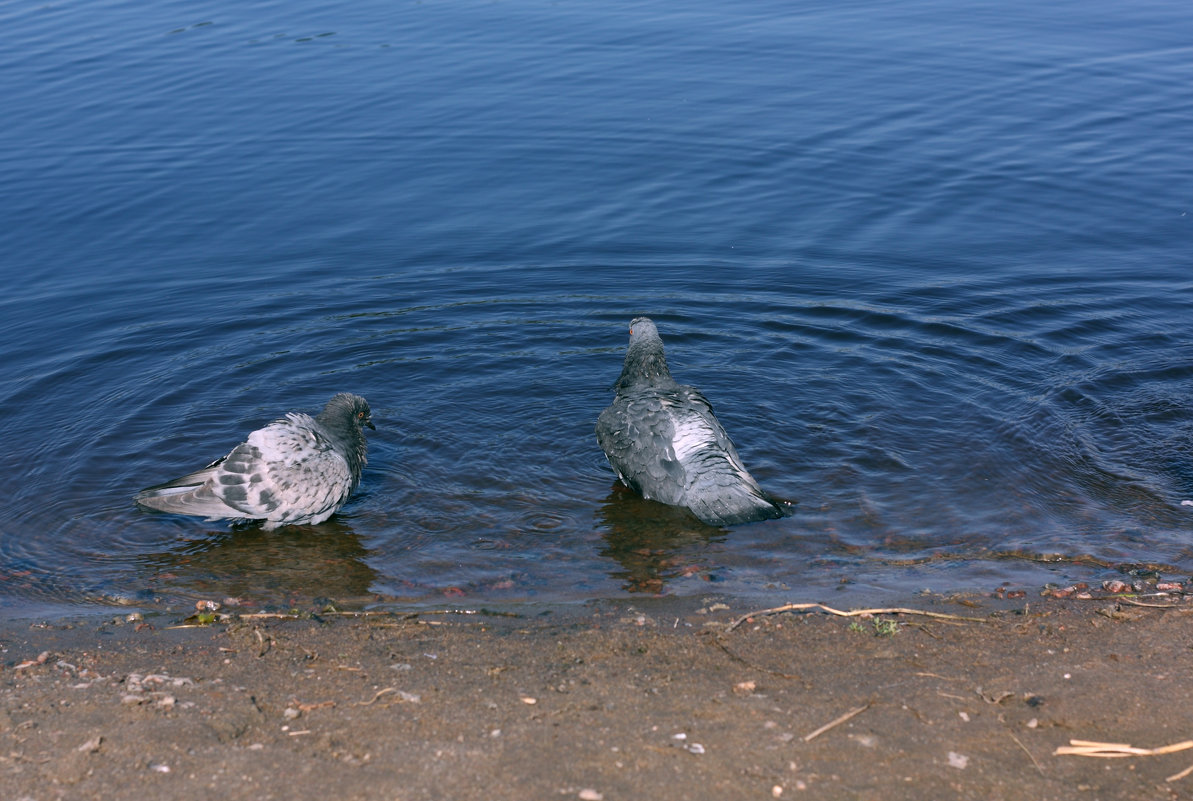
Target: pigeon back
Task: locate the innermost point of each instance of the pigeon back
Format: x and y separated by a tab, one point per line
296	470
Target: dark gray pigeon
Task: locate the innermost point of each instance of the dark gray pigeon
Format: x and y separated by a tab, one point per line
299	469
665	443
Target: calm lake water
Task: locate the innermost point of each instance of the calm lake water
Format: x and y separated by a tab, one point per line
932	262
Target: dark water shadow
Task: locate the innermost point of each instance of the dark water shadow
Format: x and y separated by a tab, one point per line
653	542
295	566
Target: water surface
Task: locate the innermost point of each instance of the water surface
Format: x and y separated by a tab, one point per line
930	261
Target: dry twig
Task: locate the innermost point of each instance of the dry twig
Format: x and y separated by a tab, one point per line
1120	750
1117	750
309	707
850	714
1030	755
377	695
894	610
1133	602
716	640
1176	777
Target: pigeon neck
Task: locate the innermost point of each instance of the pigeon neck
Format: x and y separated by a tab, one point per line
356	454
644	364
348	439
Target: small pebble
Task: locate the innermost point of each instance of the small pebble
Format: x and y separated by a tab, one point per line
91	746
959	761
696	748
290	713
1031	724
588	794
776	791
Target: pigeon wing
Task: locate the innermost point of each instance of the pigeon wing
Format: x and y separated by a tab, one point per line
719	490
189	495
636	433
286	472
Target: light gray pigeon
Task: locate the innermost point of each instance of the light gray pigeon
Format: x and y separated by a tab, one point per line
665	443
299	469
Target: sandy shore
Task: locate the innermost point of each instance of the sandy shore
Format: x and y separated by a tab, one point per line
614	701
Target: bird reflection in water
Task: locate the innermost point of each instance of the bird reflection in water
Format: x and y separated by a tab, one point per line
652	542
297	566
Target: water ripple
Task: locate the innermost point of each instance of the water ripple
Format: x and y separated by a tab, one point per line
929	265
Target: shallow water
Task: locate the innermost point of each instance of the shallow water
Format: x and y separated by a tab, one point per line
930	262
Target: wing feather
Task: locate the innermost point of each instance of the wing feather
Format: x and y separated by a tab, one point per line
286	472
667	445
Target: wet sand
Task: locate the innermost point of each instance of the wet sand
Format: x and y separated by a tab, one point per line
611	701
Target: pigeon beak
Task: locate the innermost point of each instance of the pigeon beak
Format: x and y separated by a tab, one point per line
369	423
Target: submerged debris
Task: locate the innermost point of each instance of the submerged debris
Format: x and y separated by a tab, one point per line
1146	584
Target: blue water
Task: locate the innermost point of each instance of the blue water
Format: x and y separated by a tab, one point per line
931	261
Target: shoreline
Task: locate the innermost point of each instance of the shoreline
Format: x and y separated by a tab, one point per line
617	701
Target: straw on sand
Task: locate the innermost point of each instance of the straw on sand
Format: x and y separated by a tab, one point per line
1119	750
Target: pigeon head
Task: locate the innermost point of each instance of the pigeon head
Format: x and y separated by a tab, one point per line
345	410
344	417
645	363
642	329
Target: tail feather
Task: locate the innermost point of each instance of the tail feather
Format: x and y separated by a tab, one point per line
188	482
732	508
723	493
188	495
199	501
